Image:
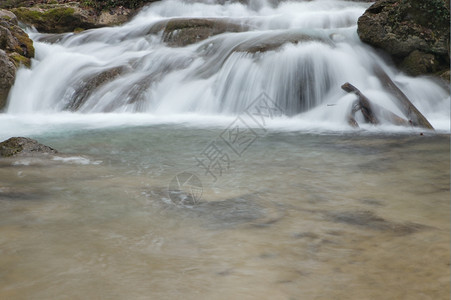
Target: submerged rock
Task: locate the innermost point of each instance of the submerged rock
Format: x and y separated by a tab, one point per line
274	42
369	220
182	32
185	31
20	194
246	210
86	87
416	33
16	49
21	146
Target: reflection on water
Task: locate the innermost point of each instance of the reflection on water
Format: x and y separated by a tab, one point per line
297	216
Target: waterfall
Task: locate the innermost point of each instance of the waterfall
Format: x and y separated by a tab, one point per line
298	53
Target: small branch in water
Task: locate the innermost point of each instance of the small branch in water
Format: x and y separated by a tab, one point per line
370	110
351	120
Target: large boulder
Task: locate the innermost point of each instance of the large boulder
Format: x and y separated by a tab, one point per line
16	49
21	146
414	32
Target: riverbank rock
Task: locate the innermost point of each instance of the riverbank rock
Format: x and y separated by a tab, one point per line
68	17
16	49
415	33
21	146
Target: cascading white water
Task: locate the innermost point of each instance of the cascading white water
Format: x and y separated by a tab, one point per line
223	74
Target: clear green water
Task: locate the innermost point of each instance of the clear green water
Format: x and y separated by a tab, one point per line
297	216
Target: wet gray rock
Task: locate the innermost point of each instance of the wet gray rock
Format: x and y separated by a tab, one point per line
21	146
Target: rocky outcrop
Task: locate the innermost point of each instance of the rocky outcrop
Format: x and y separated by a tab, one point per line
69	17
21	146
415	33
16	49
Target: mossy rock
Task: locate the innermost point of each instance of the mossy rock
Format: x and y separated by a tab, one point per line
70	17
24	44
401	27
16	42
56	20
16	49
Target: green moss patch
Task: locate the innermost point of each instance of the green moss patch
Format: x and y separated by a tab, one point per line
35	16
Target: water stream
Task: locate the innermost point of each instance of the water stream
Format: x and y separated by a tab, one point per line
305	207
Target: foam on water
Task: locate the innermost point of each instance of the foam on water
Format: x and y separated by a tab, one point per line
42	124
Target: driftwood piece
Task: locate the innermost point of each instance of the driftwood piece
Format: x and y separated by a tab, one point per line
363	103
404	104
352	122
